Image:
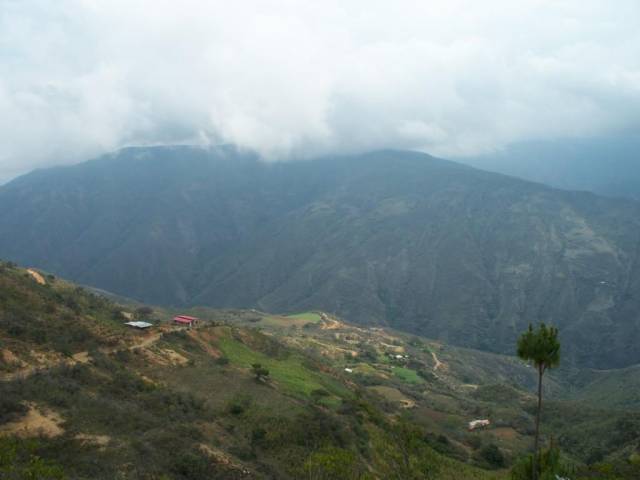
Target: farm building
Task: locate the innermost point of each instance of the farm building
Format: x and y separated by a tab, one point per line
475	424
186	320
140	325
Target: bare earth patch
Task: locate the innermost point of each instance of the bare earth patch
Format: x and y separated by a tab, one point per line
37	422
99	440
9	359
174	357
164	357
82	357
205	339
329	323
222	458
36	276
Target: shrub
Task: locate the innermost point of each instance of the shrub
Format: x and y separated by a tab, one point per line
239	404
492	455
260	372
11	408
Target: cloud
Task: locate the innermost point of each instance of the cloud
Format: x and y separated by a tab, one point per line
298	78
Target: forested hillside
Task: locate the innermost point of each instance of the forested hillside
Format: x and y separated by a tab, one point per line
248	394
387	238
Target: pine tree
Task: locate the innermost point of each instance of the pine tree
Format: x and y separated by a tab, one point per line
542	348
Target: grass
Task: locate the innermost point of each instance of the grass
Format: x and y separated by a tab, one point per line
290	372
306	316
407	375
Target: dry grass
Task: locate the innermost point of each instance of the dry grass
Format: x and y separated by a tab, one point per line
37	422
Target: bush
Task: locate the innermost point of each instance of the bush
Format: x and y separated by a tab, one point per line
492	455
19	460
239	404
193	466
259	371
11	408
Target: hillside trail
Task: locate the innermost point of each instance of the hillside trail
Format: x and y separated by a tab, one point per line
36	276
437	361
83	357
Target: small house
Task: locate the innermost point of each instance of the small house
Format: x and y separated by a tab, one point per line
186	320
139	325
475	424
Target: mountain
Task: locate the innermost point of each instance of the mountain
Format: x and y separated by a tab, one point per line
84	396
603	165
386	238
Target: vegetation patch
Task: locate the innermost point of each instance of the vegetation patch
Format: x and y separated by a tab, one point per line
291	373
408	375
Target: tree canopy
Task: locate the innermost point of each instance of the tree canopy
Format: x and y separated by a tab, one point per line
541	347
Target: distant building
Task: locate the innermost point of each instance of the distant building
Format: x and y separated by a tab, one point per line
140	325
475	424
186	320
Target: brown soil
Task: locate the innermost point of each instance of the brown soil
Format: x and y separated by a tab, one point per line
437	363
36	276
174	357
164	357
205	339
37	422
9	358
329	323
99	440
82	357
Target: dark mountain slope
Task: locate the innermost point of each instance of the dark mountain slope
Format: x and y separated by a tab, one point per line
394	238
603	165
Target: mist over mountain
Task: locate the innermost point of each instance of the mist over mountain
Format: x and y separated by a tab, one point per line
604	165
390	237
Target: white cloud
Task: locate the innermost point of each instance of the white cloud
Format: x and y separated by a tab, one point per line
291	78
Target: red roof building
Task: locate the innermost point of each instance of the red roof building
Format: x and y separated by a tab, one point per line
186	320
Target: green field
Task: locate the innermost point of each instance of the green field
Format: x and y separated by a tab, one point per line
407	375
290	372
306	316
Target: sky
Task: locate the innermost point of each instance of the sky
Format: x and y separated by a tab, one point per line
293	79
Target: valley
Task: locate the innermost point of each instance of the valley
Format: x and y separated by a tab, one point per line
352	388
298	240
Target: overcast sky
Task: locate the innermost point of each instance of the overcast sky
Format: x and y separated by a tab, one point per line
298	78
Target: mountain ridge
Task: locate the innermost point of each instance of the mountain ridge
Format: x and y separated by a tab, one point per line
390	237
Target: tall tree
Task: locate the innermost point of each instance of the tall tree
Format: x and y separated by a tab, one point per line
542	348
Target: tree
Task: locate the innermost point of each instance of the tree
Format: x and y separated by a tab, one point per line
542	348
260	372
492	455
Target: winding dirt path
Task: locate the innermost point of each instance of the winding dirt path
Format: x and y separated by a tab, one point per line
438	363
36	276
80	358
